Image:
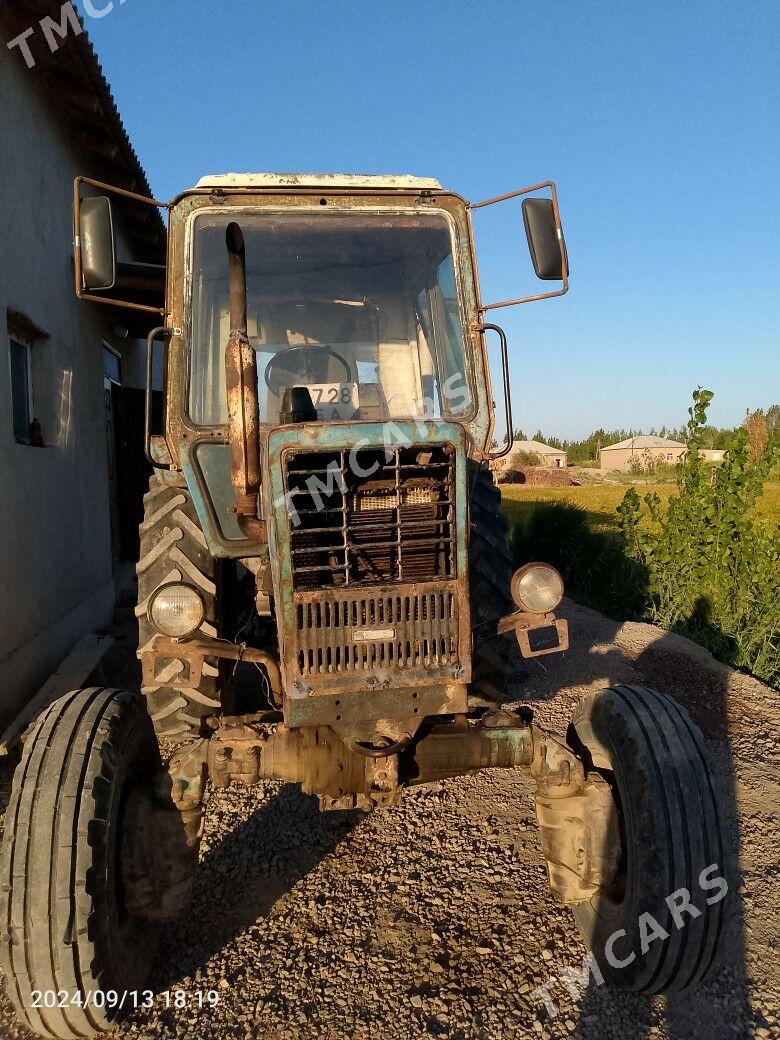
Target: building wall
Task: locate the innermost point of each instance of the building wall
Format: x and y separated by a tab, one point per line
712	454
621	459
56	572
554	459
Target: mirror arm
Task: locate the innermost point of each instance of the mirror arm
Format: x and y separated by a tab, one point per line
513	195
507	393
517	194
153	335
528	299
78	271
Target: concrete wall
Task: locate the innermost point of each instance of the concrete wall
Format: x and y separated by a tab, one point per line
56	572
622	458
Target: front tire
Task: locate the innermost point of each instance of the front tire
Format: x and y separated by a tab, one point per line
653	756
494	657
65	930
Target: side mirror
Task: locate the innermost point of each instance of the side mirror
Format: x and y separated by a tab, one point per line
548	250
545	240
98	244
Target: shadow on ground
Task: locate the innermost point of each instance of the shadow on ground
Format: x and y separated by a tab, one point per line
243	874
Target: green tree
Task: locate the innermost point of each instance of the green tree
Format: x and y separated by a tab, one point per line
713	568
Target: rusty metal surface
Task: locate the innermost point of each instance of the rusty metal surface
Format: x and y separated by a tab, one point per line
523	623
241	385
241	388
580	837
193	651
381	514
578	822
577	813
406	633
313	757
378	708
334	437
454	748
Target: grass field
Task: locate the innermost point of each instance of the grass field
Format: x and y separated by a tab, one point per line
600	501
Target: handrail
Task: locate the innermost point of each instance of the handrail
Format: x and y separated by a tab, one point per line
153	335
507	394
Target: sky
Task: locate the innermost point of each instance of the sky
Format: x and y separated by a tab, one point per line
658	121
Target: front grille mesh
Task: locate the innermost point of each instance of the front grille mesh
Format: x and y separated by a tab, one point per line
399	629
372	516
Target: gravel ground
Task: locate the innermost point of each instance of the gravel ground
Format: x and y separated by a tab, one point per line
434	919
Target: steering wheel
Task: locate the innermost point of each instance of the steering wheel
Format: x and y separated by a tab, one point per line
276	384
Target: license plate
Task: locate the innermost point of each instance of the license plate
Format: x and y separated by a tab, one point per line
335	400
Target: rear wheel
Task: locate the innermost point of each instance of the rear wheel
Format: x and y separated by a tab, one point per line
495	658
657	927
68	942
173	548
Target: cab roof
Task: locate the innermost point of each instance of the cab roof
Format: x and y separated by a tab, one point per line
319	180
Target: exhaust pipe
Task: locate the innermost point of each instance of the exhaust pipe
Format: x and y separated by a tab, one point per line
241	385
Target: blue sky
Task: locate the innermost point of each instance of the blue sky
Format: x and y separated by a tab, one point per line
659	122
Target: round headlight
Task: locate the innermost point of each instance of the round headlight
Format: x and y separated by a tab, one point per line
537	588
176	610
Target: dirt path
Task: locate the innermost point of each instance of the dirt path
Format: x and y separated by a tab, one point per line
434	919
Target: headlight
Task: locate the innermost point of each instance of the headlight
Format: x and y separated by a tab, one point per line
537	588
176	610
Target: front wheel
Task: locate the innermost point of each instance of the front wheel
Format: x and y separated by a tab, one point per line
657	927
70	949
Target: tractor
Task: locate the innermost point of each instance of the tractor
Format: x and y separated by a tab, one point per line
326	593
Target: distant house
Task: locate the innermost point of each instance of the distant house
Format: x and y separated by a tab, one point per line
712	454
545	453
643	451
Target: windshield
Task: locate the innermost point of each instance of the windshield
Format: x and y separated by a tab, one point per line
362	309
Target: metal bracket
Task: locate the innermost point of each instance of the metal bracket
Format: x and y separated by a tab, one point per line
522	623
191	652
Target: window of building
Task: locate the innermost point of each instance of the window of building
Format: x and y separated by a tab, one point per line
669	456
21	390
23	335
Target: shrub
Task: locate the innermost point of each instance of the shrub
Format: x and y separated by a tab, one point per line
525	459
712	567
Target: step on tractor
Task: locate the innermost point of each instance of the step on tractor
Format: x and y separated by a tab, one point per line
326	593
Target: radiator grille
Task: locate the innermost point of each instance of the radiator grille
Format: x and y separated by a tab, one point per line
398	629
372	516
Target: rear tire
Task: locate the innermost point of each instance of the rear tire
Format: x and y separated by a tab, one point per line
653	755
173	548
495	658
64	927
